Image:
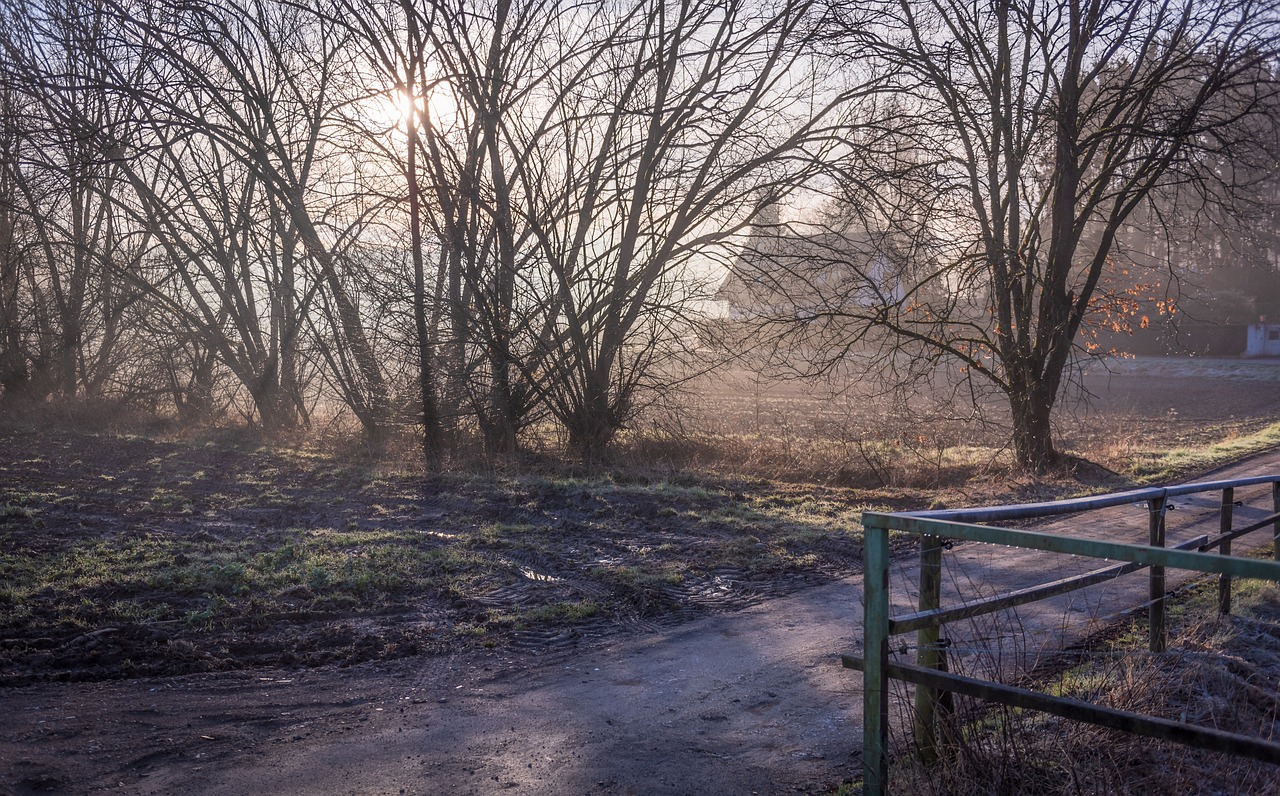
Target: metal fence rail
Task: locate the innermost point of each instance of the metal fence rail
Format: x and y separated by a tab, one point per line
930	673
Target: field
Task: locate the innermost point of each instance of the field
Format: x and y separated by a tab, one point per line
128	555
125	555
1139	418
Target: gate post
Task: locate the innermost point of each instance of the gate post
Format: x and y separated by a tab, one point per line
1155	525
1275	507
928	652
875	676
1224	526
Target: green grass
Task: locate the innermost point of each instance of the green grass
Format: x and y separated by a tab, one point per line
116	580
1151	466
12	511
640	577
206	581
571	612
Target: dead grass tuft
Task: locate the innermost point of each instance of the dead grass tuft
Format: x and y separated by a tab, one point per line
1220	672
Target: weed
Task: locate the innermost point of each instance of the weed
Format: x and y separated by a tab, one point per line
558	613
9	511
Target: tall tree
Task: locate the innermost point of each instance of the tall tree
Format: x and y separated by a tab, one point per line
660	140
61	178
262	82
393	38
595	160
457	199
1014	141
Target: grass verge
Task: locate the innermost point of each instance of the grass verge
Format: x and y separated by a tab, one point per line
1167	464
1220	671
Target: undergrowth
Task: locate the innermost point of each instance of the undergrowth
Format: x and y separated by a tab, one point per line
1219	671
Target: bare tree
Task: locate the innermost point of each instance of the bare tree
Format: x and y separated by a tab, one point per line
1011	144
644	152
19	349
215	251
493	59
260	83
59	183
456	205
596	167
394	40
596	164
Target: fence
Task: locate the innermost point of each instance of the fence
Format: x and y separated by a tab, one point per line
929	674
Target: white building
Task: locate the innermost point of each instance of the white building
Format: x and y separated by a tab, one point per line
1264	340
784	274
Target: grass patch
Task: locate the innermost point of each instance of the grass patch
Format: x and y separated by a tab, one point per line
104	582
1151	466
572	612
228	551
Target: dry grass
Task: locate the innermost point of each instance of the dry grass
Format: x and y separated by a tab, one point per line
1220	672
1139	428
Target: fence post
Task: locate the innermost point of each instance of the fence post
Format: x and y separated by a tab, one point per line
875	676
1224	526
1275	507
1155	525
928	652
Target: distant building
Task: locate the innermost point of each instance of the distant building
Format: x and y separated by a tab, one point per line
784	275
1264	340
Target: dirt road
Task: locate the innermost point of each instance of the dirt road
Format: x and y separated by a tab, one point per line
753	701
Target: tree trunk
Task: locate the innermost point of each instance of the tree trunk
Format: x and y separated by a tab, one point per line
1032	409
276	409
194	399
432	436
498	420
592	425
14	377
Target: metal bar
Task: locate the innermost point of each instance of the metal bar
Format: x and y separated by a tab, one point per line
1030	510
1077	710
1224	526
1215	486
927	649
875	677
1024	511
1238	532
1156	637
1095	548
1012	599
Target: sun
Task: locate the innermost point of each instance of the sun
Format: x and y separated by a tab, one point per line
392	111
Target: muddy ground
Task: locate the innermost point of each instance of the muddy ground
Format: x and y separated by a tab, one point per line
128	556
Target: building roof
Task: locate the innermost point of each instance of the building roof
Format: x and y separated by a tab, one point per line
782	274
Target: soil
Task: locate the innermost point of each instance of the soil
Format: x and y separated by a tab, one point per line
723	680
521	555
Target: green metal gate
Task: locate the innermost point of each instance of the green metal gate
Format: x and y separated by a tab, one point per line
929	674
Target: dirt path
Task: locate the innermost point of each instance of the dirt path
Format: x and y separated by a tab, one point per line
753	701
